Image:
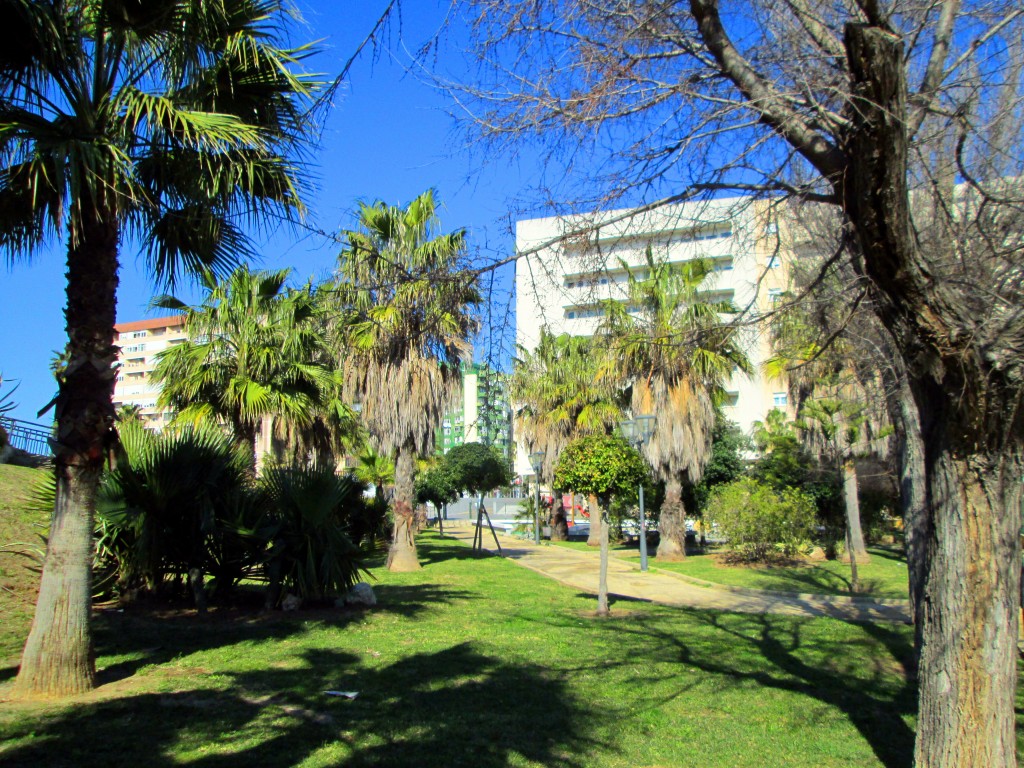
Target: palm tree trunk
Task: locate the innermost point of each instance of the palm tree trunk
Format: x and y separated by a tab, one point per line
402	556
559	525
672	523
58	656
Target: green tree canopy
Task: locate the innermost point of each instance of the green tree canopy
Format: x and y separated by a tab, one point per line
477	468
254	349
602	465
437	485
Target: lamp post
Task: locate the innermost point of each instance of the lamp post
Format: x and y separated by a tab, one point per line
537	462
638	432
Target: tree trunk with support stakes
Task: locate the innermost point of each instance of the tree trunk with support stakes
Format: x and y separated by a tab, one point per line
58	657
672	523
402	556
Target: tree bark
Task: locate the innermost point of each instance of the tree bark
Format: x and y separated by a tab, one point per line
602	579
917	517
966	400
402	555
857	552
970	624
559	525
58	655
596	522
672	523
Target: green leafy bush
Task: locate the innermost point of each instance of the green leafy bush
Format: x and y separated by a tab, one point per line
761	523
309	551
169	509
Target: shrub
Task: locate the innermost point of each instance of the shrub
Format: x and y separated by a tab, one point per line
760	522
170	509
309	551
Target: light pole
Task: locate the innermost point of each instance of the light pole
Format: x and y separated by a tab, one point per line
537	462
638	432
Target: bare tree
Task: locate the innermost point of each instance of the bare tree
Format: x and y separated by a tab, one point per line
874	109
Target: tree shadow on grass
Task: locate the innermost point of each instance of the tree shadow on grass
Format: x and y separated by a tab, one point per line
451	707
149	639
874	696
432	549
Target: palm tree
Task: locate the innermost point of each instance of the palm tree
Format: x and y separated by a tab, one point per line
254	353
406	331
169	121
559	399
667	344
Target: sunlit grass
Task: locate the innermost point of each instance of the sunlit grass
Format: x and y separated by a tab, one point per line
475	661
884	577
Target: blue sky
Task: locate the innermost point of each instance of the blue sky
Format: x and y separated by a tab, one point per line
389	136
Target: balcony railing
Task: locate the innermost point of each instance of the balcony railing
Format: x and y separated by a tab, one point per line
33	438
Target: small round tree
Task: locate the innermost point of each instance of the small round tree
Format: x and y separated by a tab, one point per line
476	468
437	486
603	466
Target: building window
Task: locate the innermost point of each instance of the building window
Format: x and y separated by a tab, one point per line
774	262
139	335
780	399
774	295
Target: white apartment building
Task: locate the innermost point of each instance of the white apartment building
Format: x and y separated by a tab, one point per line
569	265
139	343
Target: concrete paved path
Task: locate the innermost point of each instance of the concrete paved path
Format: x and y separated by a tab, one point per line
625	579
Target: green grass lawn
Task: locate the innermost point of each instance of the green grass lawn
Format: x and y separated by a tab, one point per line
20	545
885	576
474	661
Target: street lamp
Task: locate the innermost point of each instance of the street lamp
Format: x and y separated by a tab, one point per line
537	462
638	432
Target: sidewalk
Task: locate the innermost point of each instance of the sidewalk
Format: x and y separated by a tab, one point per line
625	579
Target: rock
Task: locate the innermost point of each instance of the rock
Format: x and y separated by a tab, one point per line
361	594
291	603
817	555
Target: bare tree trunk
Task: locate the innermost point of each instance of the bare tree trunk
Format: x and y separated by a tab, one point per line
966	403
602	579
968	657
856	551
402	555
596	522
58	656
672	523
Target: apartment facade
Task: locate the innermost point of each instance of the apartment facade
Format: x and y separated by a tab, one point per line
139	342
571	265
483	414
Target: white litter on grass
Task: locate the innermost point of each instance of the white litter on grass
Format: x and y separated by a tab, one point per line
345	694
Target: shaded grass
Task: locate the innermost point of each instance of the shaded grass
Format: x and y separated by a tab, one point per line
475	661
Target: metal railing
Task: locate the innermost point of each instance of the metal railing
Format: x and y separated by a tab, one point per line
32	438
